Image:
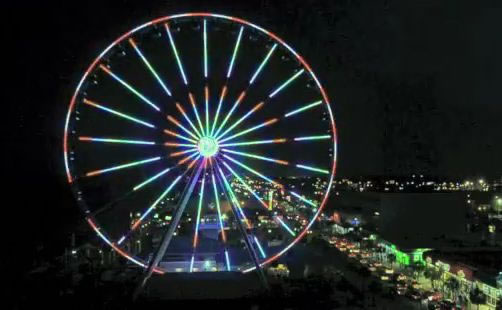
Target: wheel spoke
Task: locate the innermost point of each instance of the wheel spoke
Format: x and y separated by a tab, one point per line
278	219
252	170
177	123
222	97
277	161
182	111
234	201
175	51
176	154
258	198
128	165
199	210
313	169
192	163
205	50
218	208
170	231
254	109
194	106
111	140
237	102
255	75
151	179
206	97
303	199
114	247
269	122
149	66
151	208
236	48
260	248
306	107
174	134
283	85
175	144
123	115
184	160
244	143
323	137
129	87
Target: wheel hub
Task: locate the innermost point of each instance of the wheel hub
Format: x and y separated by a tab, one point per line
208	146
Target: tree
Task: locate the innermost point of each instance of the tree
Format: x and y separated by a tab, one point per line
375	287
392	259
499	304
364	273
380	253
417	270
433	275
453	286
477	297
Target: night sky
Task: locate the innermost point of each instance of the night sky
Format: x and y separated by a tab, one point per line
415	84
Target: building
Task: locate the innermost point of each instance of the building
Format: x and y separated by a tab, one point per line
460	266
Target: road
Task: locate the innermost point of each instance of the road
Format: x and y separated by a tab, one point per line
315	256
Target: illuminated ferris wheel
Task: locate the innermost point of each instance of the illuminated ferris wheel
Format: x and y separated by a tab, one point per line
200	142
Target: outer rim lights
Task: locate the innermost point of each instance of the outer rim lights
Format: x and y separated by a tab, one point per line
208	146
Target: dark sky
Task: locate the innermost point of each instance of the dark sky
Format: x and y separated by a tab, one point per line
415	84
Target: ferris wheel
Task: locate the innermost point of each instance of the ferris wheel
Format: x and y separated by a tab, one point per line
200	142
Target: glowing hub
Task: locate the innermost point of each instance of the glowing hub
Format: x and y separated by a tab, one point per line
207	146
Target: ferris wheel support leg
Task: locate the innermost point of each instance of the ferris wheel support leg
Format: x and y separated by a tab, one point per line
168	236
247	240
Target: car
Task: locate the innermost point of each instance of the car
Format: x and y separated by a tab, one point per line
433	306
413	294
447	305
414	285
401	290
389	294
433	296
401	285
